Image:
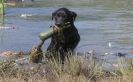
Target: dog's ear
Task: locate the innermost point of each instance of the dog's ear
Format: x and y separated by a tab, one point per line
53	14
74	15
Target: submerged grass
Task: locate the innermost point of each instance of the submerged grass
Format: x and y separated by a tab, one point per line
75	69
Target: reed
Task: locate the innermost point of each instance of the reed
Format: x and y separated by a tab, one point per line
1	7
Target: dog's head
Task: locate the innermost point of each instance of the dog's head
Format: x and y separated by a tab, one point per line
63	16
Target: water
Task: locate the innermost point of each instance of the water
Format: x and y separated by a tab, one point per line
98	22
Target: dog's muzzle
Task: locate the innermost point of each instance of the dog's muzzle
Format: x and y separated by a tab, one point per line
65	25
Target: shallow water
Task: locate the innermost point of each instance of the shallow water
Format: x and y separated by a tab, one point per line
99	23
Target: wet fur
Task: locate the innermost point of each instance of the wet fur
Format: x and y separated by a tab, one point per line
65	40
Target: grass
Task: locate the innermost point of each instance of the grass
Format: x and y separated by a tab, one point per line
75	69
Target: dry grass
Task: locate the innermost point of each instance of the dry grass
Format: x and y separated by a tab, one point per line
75	69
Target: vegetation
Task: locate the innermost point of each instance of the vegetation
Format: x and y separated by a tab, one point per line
75	69
1	7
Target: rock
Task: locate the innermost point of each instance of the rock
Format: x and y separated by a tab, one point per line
121	54
9	54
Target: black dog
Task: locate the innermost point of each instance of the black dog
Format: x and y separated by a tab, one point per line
68	38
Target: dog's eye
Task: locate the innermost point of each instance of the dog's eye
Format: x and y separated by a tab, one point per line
58	15
61	15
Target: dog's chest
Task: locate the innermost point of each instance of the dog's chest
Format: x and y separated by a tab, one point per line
62	37
59	37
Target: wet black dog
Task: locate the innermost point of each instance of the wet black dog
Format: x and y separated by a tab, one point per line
67	39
